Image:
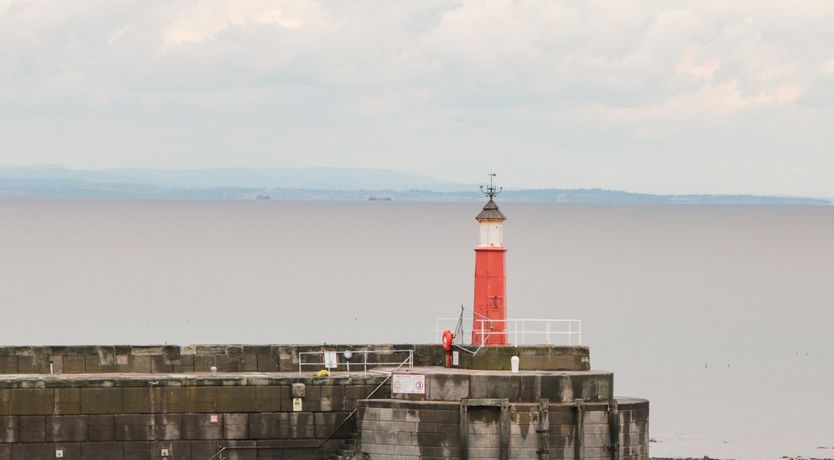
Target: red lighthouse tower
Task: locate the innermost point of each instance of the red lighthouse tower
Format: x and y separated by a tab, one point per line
490	319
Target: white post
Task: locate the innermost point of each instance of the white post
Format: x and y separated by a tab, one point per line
514	364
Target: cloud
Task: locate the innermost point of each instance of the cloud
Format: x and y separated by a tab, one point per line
827	67
4	7
437	87
691	66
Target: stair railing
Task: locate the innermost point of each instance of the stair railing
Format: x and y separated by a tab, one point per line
408	360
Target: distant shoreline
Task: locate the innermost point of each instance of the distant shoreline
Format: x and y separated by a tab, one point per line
323	184
382	197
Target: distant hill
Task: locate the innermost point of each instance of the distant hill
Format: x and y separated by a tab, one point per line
314	184
285	178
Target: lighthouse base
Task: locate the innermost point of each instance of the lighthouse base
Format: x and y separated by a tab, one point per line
466	414
496	429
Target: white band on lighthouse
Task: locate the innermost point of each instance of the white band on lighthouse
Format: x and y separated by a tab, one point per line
492	233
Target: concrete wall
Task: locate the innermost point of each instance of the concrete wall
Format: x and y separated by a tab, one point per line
528	386
130	417
433	430
259	358
131	403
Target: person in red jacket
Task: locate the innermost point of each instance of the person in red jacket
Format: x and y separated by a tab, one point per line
448	337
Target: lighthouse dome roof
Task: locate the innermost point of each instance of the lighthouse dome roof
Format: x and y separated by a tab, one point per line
490	212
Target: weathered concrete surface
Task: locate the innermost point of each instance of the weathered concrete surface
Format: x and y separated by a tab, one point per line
526	386
432	429
174	393
136	416
161	402
542	358
260	358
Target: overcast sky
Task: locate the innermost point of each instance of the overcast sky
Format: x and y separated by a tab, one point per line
704	96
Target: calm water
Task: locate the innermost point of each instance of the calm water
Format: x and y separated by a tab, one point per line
721	316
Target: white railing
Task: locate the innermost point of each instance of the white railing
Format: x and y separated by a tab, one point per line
523	331
356	359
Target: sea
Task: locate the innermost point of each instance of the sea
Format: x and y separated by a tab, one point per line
721	316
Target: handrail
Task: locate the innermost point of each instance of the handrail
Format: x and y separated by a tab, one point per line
408	360
354	411
347	364
517	330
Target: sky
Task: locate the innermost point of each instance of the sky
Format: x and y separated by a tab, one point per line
705	96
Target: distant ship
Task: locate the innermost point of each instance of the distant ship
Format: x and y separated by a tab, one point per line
263	197
379	198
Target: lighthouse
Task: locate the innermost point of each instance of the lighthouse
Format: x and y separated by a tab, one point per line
490	303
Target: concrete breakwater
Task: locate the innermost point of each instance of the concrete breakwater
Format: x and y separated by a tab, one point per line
471	414
487	428
258	358
141	416
130	403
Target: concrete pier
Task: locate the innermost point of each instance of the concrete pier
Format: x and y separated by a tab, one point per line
188	416
474	414
408	429
131	403
259	358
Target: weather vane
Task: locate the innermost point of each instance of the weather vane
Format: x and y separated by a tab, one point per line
491	190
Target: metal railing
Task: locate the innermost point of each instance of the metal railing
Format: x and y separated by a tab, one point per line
358	359
524	331
317	444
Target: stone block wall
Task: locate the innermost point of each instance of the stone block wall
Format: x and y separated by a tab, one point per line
149	402
261	358
191	418
527	386
433	430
